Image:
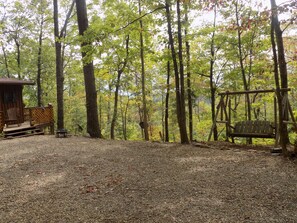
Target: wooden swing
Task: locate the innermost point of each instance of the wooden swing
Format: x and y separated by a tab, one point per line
251	128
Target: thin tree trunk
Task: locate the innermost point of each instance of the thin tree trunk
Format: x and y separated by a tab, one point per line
241	60
180	111
93	127
59	70
124	111
167	103
211	78
18	46
39	64
143	89
280	67
189	87
115	106
116	93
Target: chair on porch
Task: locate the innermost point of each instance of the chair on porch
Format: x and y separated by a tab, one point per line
13	117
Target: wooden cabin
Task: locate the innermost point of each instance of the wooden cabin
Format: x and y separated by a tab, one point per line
11	100
13	113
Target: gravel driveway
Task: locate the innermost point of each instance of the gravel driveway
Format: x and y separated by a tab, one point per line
76	179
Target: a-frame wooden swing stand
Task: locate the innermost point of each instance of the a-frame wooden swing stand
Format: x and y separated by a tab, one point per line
252	128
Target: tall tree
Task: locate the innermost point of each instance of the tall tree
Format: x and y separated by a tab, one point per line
143	88
41	8
167	101
179	72
59	69
93	127
280	70
59	61
211	74
189	84
120	69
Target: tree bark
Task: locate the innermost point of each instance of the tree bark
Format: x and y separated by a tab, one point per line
143	89
116	93
18	46
178	88
167	103
93	127
39	64
59	70
242	68
211	79
189	87
280	73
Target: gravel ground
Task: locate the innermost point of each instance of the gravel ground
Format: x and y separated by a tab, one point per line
76	179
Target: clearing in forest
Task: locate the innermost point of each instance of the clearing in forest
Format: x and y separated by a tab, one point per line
76	179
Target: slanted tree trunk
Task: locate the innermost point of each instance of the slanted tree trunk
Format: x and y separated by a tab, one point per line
93	127
143	88
120	70
280	70
179	79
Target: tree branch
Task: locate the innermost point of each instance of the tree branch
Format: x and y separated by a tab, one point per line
140	17
63	30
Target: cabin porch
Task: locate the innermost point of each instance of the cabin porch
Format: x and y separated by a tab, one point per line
35	121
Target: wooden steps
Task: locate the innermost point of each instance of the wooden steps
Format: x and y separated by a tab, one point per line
22	132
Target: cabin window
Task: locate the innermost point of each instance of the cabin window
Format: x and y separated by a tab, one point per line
9	97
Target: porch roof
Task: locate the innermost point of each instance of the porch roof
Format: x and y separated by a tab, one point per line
13	81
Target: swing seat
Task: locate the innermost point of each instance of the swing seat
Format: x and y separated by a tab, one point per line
253	129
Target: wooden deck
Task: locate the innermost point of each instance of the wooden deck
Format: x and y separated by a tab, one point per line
37	120
15	127
24	130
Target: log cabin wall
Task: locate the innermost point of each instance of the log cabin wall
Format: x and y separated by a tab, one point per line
11	97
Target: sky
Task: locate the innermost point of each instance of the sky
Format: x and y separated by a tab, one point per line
208	17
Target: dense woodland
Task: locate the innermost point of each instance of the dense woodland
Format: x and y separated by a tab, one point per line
146	69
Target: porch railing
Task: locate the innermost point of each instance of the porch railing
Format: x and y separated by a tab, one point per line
36	116
41	116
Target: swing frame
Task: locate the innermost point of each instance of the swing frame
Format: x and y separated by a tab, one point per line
252	128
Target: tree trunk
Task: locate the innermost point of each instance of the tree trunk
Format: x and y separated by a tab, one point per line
241	61
39	64
180	109
115	106
59	70
189	87
184	135
124	111
18	58
167	103
280	67
93	127
116	93
143	89
211	78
